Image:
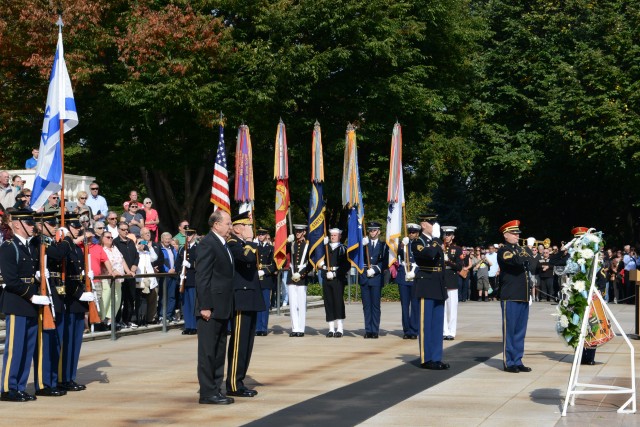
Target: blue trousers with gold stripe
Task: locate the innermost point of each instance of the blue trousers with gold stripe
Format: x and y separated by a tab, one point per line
46	360
71	343
515	316
243	331
20	344
431	327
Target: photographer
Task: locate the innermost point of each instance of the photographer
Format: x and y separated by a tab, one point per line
23	199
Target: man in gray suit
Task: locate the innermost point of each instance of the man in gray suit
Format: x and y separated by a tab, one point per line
214	302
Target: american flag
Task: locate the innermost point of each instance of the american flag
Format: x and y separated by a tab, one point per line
220	183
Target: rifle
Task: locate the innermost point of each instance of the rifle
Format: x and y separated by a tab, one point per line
183	273
48	320
94	316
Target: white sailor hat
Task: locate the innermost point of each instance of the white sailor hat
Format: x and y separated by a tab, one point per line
448	229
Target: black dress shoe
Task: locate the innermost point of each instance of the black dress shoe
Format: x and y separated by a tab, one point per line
71	386
217	399
367	335
436	366
300	334
330	334
338	335
588	362
12	396
405	337
186	332
512	369
523	368
50	391
293	334
374	336
413	337
242	393
193	332
27	395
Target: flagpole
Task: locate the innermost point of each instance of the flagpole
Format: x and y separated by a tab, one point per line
61	86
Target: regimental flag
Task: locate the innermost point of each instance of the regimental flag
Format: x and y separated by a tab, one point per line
220	183
395	195
244	193
355	249
281	174
60	111
317	229
352	199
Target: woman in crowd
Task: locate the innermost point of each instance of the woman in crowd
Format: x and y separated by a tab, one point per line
82	204
120	267
146	290
151	219
134	219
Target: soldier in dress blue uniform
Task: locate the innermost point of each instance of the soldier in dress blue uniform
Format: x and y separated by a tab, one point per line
20	302
371	280
189	294
334	276
430	290
47	355
76	304
266	273
247	302
452	265
298	248
515	266
405	279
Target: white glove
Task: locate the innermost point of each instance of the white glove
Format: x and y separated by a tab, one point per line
64	231
365	240
87	297
90	275
186	264
331	275
405	240
46	274
326	240
260	274
41	300
371	272
410	275
183	277
296	277
320	263
290	238
302	266
436	231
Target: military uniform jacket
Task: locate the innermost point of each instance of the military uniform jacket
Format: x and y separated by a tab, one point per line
74	281
402	271
56	252
190	281
338	264
158	263
247	295
515	265
429	281
378	257
452	265
267	265
18	266
297	250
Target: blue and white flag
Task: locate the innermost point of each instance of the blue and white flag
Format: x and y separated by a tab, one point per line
60	107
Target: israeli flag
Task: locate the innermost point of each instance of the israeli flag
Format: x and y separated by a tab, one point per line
60	107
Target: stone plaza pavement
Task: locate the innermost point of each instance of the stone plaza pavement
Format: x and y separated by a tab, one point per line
150	379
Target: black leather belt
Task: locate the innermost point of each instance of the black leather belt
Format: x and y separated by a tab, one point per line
431	269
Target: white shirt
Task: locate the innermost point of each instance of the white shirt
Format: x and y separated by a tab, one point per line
493	270
98	203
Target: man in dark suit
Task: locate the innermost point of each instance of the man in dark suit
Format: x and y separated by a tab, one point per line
247	302
214	302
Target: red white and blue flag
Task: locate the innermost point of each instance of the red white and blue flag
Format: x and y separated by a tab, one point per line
220	183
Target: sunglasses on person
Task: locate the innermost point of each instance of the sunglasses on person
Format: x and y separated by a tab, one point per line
107	237
98	228
123	229
112	219
82	198
184	226
55	197
94	188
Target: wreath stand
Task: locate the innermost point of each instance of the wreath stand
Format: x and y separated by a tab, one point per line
575	387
